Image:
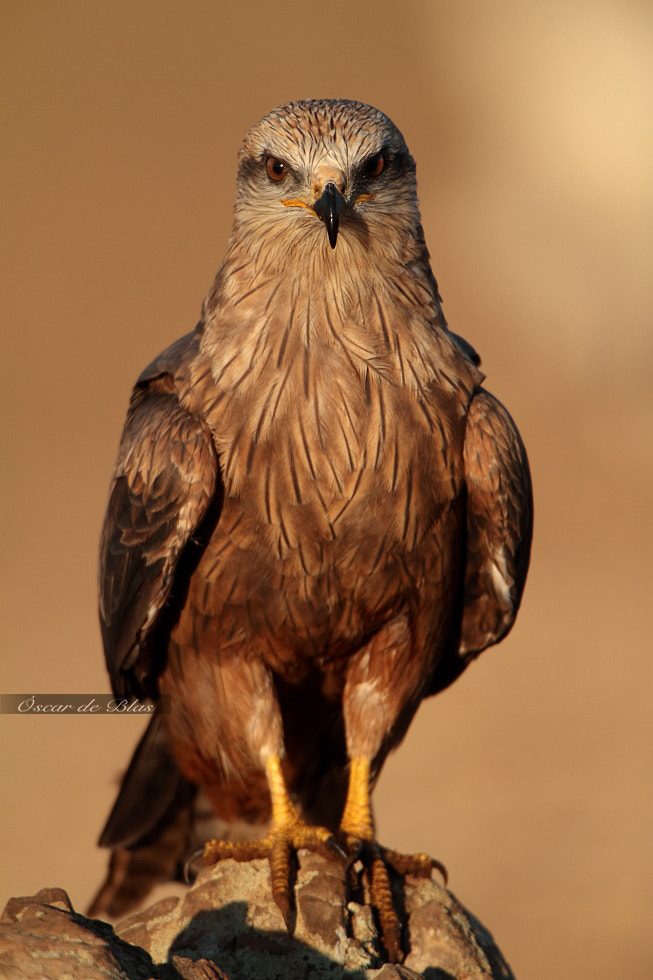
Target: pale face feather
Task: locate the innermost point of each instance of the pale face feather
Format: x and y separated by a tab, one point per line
320	142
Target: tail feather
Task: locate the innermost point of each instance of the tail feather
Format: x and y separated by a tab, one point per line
150	826
133	873
158	819
152	789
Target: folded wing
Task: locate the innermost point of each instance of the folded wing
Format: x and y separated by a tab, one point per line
499	524
166	490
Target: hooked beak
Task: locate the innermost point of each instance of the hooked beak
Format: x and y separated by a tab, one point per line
328	208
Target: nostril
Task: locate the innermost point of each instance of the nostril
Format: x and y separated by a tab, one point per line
329	177
329	187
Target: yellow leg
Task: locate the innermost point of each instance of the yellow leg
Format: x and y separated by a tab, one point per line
357	815
284	813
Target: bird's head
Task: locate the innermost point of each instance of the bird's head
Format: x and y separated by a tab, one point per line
325	176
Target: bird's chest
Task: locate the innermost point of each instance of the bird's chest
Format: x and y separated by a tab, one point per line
333	516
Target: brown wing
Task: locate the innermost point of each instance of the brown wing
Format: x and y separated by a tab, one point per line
166	484
499	524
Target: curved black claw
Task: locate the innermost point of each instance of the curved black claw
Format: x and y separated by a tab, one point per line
336	850
189	873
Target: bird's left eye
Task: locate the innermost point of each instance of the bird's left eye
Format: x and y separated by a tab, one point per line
276	168
374	166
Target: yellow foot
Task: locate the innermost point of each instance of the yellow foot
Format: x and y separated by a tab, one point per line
357	832
376	860
278	846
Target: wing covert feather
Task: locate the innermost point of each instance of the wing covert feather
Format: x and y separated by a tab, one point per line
165	479
499	524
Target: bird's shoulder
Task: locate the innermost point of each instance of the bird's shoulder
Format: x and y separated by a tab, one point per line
173	363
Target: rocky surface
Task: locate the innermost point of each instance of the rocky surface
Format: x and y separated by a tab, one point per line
227	927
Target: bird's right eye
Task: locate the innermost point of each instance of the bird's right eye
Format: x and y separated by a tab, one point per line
276	169
374	165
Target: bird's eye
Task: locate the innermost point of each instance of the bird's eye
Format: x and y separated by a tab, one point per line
374	166
276	169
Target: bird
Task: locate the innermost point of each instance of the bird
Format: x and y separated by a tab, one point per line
318	518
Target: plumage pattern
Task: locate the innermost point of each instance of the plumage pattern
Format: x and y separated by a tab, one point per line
318	515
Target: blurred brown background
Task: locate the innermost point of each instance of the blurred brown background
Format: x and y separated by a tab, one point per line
531	127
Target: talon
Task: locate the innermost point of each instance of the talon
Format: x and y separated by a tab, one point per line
441	868
414	864
335	849
189	861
